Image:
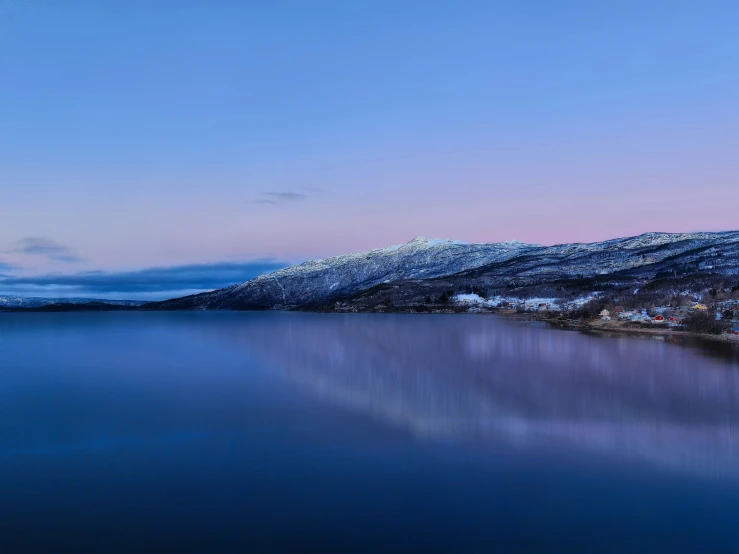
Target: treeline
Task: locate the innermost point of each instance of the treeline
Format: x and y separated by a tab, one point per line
705	322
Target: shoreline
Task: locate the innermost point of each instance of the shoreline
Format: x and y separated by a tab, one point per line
555	321
622	328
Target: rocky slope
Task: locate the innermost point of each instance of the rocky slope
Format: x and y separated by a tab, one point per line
424	267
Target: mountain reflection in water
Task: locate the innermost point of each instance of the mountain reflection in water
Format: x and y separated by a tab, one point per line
295	432
487	378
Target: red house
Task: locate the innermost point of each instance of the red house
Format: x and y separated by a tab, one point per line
659	318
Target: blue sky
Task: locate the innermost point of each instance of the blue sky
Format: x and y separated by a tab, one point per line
163	134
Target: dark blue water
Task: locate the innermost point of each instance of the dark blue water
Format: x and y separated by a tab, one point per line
268	432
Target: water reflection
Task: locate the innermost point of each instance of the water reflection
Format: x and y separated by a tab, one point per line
483	378
272	432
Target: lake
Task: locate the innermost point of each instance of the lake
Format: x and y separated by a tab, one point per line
289	432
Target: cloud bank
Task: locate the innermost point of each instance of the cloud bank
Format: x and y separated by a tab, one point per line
145	284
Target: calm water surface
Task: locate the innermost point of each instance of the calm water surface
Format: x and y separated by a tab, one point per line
279	432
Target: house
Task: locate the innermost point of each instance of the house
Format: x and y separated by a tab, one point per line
658	319
701	307
734	331
605	313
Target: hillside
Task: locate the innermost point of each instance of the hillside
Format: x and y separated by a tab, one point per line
426	271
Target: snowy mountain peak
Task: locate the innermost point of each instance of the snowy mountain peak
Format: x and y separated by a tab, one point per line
427	261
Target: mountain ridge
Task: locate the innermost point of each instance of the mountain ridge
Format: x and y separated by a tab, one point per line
426	267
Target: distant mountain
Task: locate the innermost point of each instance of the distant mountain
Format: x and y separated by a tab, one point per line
38	302
423	269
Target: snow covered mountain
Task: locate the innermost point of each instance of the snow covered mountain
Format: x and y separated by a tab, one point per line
38	302
429	265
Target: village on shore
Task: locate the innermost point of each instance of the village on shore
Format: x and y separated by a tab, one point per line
717	318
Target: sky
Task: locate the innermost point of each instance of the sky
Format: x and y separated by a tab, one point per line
164	139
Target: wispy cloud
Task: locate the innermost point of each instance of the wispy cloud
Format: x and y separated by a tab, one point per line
48	248
160	282
282	198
